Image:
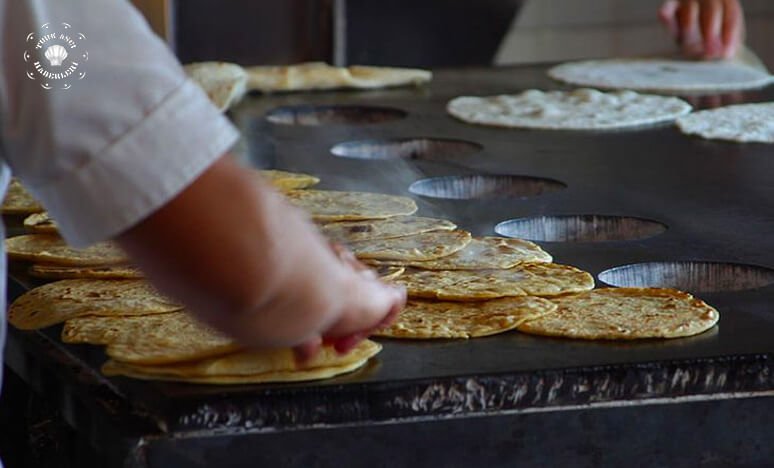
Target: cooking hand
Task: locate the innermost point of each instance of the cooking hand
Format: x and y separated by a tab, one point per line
707	29
344	344
245	261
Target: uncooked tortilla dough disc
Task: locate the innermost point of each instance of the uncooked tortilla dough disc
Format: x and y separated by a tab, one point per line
625	314
581	109
661	75
743	123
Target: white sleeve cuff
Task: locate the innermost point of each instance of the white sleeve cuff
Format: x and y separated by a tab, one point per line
142	170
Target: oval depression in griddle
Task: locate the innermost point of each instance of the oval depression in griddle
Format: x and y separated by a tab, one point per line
696	277
476	187
405	148
580	228
309	115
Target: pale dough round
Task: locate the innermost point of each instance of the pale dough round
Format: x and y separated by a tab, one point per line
661	75
581	109
743	123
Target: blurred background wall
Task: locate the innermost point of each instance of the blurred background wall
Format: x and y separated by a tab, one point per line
423	32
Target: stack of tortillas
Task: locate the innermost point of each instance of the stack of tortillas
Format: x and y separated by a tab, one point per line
461	286
53	259
149	336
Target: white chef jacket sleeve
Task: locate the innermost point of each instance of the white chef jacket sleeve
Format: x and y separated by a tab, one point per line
119	143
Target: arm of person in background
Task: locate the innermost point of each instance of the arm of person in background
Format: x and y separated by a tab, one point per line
135	152
706	29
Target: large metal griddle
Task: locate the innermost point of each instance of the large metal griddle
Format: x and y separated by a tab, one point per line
497	400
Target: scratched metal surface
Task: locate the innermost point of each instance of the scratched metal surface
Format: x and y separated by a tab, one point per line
716	198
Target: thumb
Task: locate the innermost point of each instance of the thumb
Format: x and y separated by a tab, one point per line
368	303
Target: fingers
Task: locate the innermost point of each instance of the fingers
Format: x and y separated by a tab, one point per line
306	351
708	29
349	259
369	304
689	36
348	343
711	21
732	34
667	14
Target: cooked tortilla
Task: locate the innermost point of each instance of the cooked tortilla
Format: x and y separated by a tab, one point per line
321	76
285	181
150	339
224	83
252	367
19	201
62	300
52	249
425	319
481	253
425	246
625	314
529	279
346	232
332	205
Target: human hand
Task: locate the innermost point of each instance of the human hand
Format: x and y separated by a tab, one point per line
345	344
706	29
244	260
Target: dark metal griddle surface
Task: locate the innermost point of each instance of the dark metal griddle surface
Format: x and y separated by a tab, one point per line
716	198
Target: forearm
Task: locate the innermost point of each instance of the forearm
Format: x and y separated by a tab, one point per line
219	246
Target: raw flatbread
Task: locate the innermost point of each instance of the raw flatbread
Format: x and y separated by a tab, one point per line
41	223
331	205
743	123
47	248
252	367
321	76
529	279
426	319
661	75
18	201
62	300
387	273
625	314
93	272
482	253
150	339
224	83
425	246
581	109
285	181
354	231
